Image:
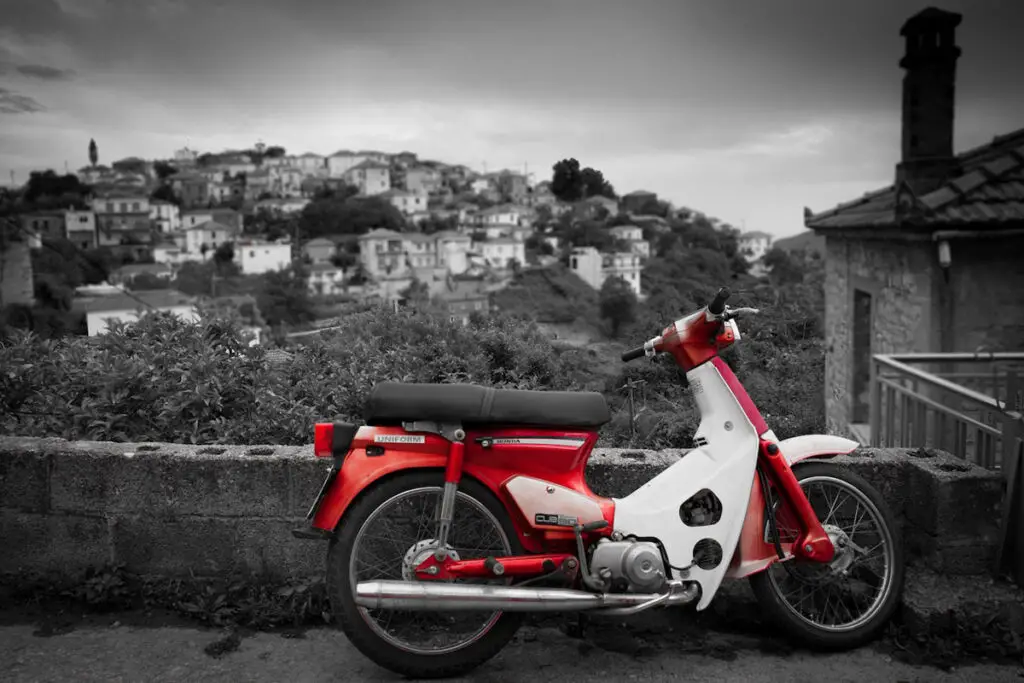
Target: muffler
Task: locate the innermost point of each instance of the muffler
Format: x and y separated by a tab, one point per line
428	595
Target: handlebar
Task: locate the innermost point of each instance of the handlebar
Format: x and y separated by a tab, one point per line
716	308
717	305
633	354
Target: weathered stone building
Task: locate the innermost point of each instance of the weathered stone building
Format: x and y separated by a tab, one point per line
934	262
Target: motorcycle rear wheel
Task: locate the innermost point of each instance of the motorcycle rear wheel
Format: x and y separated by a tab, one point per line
380	643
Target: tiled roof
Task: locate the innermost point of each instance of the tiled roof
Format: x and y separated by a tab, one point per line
380	234
159	298
503	208
367	165
139	268
209	225
989	189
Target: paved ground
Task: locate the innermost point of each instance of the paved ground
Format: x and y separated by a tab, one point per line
112	648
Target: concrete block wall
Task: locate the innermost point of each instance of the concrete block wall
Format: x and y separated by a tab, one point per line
176	510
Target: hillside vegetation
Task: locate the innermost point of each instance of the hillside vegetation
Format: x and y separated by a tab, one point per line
164	380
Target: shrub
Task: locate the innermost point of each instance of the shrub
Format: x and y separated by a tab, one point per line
165	380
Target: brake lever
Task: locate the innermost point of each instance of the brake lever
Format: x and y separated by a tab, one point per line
734	313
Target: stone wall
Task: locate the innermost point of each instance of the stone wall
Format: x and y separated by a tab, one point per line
986	282
899	278
174	510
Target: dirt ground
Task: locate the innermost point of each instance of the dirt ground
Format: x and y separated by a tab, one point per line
128	647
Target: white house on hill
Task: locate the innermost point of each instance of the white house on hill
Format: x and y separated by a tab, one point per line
594	268
101	310
255	257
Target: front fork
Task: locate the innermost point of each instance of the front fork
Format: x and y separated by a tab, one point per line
814	542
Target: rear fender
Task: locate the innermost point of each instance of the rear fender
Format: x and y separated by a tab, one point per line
359	473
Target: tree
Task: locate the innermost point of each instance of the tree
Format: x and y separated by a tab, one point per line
166	193
353	216
164	170
617	303
46	189
785	269
570	183
274	152
284	299
94	154
416	293
567	180
594	184
130	165
225	254
432	224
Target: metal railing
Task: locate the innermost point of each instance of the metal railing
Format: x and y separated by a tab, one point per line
968	404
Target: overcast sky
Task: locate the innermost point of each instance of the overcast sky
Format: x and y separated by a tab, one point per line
726	106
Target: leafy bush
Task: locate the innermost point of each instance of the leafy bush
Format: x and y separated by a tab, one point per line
165	380
549	295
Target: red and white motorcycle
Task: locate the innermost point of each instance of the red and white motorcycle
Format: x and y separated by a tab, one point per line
457	508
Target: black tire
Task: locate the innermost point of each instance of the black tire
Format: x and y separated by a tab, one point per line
350	616
818	637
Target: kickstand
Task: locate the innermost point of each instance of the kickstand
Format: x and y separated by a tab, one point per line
579	629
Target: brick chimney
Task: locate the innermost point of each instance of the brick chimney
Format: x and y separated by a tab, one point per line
929	86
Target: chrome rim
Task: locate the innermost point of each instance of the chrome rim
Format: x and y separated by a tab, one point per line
849	591
401	541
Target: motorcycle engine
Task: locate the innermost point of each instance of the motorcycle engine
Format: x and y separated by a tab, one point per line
634	566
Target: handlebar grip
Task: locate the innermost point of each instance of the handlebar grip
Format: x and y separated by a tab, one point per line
717	305
633	354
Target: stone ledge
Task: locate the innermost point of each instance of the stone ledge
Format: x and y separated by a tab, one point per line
175	509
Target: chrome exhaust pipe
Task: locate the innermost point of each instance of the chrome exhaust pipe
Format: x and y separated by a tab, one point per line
428	595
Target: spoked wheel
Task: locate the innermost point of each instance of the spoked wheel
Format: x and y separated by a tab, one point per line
847	602
384	536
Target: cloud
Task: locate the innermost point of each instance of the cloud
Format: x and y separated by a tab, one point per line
13	103
45	73
798	141
33	18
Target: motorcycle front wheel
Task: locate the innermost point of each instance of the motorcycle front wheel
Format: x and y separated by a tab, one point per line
847	602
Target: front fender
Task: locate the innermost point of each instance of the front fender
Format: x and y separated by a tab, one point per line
815	446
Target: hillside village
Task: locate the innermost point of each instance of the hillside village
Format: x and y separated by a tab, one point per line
457	234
